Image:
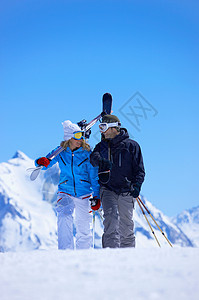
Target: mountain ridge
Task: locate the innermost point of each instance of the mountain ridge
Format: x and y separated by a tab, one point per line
28	218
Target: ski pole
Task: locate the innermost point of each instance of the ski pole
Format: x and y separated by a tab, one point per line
93	229
154	220
100	214
147	221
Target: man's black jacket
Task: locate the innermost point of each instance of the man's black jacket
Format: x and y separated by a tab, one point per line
126	157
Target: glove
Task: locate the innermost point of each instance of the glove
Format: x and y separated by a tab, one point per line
43	161
136	190
95	203
105	165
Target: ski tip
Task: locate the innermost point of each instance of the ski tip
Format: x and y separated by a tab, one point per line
107	103
35	173
107	95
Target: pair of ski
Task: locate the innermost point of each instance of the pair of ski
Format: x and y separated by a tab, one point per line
106	109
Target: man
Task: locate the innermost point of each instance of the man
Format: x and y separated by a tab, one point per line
121	174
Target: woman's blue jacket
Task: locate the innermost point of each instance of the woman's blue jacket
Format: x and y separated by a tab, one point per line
77	176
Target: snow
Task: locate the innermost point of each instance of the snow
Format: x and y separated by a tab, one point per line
188	222
140	274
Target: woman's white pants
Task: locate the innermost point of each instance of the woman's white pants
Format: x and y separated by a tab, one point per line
65	208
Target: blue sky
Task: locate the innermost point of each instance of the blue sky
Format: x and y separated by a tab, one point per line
57	59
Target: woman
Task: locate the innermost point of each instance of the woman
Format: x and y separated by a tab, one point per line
78	184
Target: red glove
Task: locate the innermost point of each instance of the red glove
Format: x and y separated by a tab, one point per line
43	161
95	203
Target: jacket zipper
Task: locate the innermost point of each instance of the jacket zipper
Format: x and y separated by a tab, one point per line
64	181
84	180
73	174
83	161
109	151
62	160
120	159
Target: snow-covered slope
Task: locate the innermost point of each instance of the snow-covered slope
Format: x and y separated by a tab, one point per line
143	233
188	222
140	274
26	222
28	219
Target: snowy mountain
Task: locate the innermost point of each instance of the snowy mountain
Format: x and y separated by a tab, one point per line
188	222
28	218
26	222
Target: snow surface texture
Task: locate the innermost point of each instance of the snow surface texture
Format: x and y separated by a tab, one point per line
140	274
28	218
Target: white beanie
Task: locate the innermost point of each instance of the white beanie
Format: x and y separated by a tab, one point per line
69	129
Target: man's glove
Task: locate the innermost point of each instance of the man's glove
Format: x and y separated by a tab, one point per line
43	161
105	165
135	190
95	203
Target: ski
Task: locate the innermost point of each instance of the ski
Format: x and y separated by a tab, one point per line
37	170
106	110
34	172
106	107
107	103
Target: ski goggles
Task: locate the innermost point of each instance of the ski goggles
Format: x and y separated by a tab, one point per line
105	126
78	135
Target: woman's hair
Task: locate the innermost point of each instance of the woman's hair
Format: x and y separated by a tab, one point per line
85	145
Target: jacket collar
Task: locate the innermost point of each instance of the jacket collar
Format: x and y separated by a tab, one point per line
118	138
77	150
